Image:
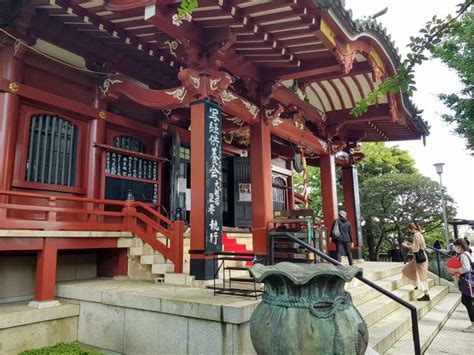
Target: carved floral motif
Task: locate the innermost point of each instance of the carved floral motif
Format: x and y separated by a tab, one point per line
107	84
227	96
179	94
251	108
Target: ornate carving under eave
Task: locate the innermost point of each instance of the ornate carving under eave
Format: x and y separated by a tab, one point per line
375	65
392	104
251	108
172	47
105	86
272	113
179	94
227	96
356	157
345	58
337	146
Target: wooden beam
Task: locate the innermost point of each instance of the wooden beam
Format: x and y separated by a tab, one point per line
287	98
311	72
303	137
343	117
161	18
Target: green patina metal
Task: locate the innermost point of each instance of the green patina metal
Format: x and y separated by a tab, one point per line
305	310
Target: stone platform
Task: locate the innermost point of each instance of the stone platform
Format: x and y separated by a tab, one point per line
144	318
132	317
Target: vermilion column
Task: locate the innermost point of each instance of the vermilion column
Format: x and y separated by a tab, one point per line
261	179
11	70
352	205
97	135
328	188
46	270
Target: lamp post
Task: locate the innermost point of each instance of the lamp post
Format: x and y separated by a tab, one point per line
439	171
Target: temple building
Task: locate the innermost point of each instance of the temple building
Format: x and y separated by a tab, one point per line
117	124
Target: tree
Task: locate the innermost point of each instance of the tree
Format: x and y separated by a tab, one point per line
380	159
391	201
456	50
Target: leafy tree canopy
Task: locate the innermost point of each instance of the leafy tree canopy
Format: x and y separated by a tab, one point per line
380	159
456	50
391	201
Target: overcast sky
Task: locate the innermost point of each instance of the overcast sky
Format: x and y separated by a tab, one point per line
403	19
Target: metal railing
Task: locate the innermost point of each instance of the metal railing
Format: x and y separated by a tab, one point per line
440	273
413	311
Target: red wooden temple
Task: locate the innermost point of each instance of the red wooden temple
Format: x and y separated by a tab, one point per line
113	119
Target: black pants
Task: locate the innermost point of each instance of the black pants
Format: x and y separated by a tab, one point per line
467	302
347	247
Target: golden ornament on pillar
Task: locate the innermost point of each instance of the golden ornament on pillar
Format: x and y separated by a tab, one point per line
14	87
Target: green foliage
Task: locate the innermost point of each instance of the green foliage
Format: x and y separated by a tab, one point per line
456	50
380	160
430	37
186	8
61	349
313	177
391	201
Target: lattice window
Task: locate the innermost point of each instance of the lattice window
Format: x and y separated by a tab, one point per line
279	194
130	143
52	151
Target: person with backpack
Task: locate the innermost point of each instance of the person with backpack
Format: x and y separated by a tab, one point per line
466	279
341	235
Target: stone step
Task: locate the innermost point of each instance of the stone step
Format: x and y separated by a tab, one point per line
365	293
375	271
152	259
124	242
429	326
384	333
381	306
162	269
178	279
137	242
136	251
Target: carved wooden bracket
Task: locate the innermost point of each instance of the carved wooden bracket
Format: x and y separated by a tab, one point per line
195	86
337	146
345	58
272	113
356	157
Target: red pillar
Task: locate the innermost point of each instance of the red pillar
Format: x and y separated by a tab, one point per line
352	206
97	136
11	70
261	179
329	195
46	270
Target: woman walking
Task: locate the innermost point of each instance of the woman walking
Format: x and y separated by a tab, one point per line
416	271
463	250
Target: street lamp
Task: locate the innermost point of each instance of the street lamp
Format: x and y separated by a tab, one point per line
439	171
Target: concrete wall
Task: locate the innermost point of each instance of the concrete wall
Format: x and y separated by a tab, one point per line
23	328
17	273
144	332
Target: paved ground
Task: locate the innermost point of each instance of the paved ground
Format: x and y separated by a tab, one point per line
451	340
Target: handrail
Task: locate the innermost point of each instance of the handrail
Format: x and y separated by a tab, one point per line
413	311
92	216
88	200
438	251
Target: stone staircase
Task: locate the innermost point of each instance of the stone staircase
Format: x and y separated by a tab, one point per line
390	323
144	263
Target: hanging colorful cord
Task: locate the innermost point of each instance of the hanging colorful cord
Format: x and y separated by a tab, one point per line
305	191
